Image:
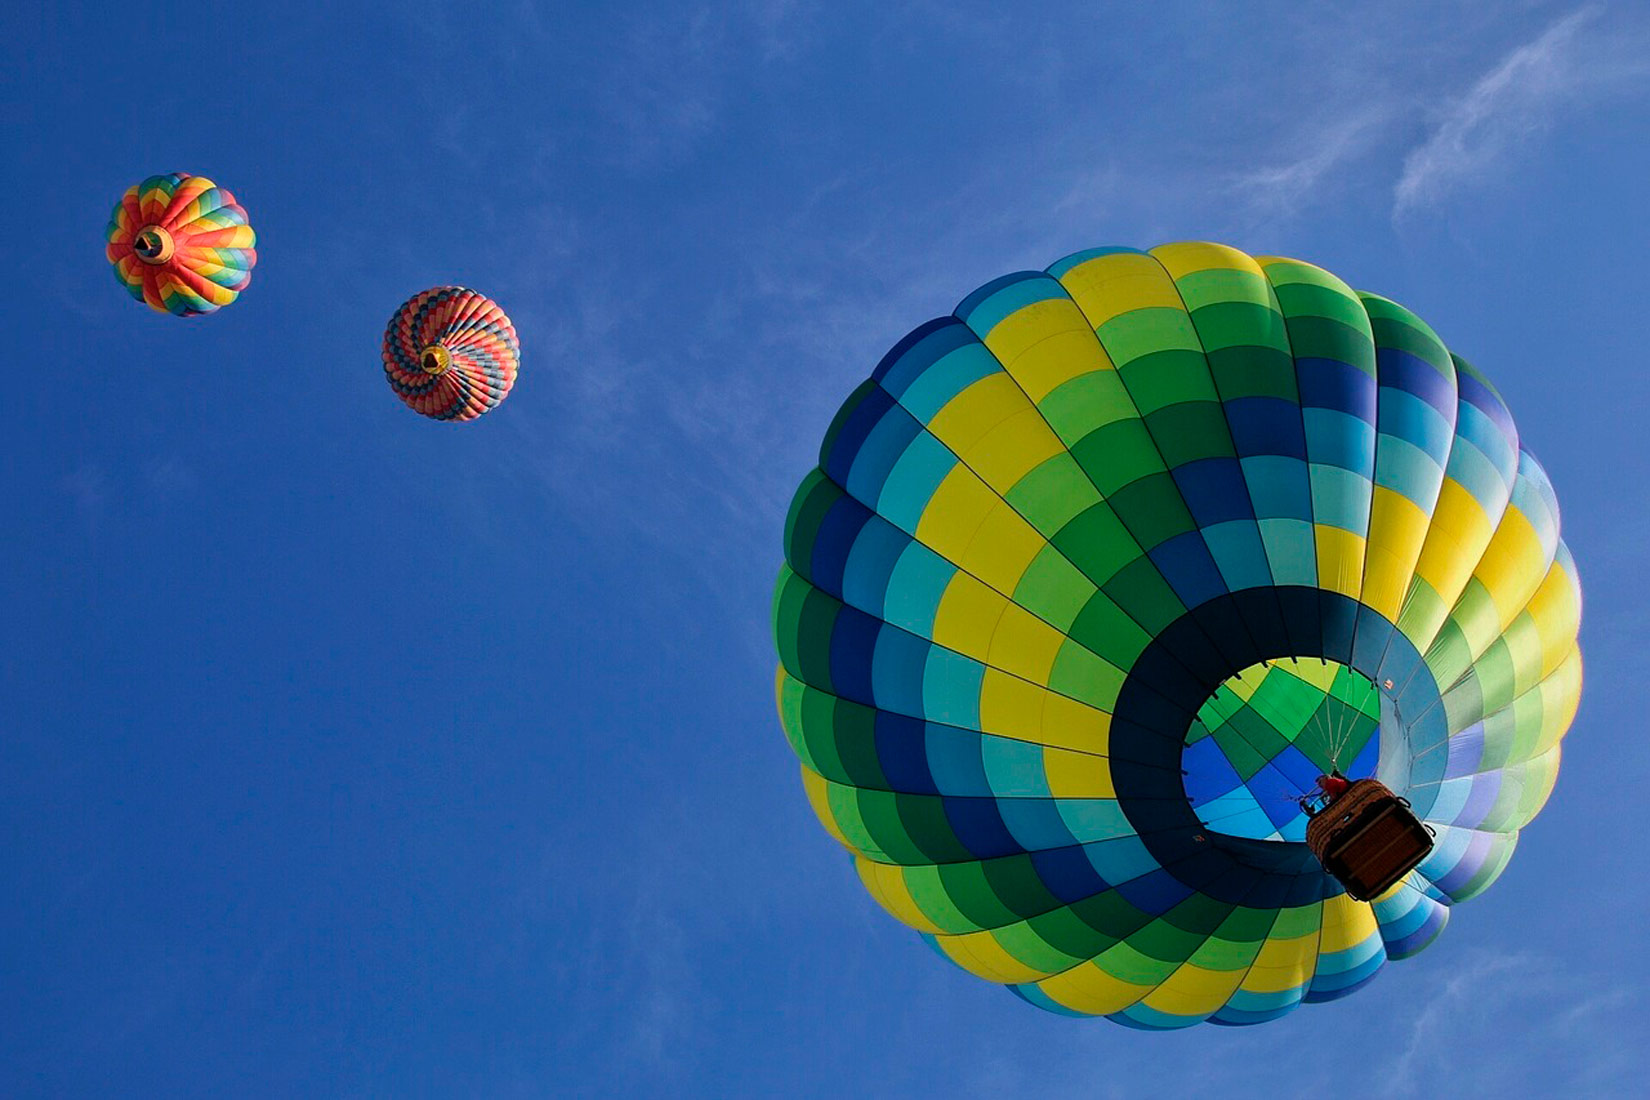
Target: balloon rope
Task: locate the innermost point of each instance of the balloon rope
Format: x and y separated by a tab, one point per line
1426	710
1341	738
1331	703
1231	813
1351	712
1315	726
1323	733
1355	711
1349	715
1327	707
1422	755
1281	796
1240	811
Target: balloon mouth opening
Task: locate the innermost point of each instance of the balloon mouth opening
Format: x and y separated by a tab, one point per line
435	359
1262	739
153	245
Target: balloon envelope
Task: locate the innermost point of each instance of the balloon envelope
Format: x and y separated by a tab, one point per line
181	244
1098	574
450	353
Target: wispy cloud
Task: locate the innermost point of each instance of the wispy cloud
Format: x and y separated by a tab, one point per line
1563	1016
88	488
1521	97
170	477
704	389
779	26
672	78
1311	158
1431	1027
666	90
1456	994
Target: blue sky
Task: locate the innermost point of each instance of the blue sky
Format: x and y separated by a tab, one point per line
347	753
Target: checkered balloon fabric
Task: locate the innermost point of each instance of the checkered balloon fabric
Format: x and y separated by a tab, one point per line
1098	573
181	244
450	353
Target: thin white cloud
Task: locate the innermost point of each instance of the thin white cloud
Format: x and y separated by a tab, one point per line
1455	995
88	488
1437	1026
1573	61
170	477
1572	1025
723	416
1278	189
780	27
666	87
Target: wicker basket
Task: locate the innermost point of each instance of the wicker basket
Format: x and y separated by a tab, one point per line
1368	838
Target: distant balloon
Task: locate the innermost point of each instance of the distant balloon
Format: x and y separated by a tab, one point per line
1099	574
451	353
182	244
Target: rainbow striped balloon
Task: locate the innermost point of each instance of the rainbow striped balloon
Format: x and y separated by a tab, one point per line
1099	573
451	354
181	244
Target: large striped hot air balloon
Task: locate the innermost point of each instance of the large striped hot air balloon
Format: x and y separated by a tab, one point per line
1098	574
181	244
451	353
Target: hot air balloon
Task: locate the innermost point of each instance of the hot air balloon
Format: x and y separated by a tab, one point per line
1098	575
451	353
182	244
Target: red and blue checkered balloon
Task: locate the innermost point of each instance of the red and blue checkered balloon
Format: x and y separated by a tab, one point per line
450	353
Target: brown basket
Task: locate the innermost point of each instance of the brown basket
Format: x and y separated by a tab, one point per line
1368	838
